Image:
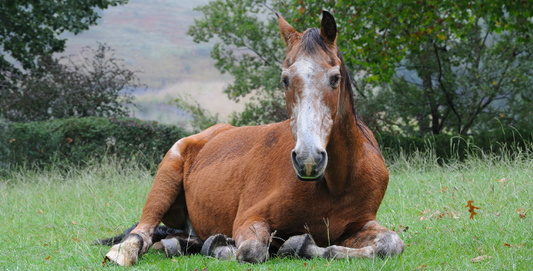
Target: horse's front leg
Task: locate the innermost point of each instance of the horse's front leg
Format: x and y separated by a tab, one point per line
371	241
250	243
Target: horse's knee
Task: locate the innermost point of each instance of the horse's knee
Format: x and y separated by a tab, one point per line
252	251
389	244
127	252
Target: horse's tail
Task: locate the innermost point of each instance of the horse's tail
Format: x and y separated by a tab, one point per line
161	232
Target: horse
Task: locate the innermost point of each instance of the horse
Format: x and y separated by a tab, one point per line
306	187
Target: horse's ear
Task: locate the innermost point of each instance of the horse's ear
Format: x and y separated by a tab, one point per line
289	34
328	28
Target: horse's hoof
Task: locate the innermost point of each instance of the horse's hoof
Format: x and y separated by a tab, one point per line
252	251
219	246
125	253
171	246
302	246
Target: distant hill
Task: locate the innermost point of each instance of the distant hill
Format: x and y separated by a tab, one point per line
150	35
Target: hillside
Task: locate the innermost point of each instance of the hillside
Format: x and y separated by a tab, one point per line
150	35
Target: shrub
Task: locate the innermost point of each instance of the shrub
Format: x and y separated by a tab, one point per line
76	140
507	141
93	84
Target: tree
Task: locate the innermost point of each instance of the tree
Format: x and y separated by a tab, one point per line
31	28
93	84
431	41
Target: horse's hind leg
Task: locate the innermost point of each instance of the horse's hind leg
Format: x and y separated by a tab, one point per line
371	241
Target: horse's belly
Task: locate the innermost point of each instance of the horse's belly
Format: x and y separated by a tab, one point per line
234	172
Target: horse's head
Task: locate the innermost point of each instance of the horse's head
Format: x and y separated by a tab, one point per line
311	78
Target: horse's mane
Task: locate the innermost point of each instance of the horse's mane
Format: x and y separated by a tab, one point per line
310	43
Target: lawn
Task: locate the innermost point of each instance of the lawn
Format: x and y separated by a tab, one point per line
49	218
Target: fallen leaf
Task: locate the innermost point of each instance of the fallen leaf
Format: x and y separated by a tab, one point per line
429	228
73	222
422	218
425	212
472	209
305	264
480	259
506	245
69	140
40	211
521	213
174	260
107	204
420	267
47	258
502	180
444	189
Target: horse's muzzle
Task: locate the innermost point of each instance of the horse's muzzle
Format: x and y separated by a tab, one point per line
311	168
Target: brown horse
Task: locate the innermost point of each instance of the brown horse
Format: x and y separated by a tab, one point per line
318	174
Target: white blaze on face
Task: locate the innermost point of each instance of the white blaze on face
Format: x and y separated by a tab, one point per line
311	119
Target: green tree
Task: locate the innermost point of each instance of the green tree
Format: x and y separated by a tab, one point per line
31	28
423	55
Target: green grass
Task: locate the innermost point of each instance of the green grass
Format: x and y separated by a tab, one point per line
48	219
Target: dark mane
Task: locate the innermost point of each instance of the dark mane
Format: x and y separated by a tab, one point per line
311	42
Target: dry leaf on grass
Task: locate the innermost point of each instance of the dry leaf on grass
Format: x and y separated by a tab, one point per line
502	180
521	213
506	245
480	258
472	209
401	228
47	258
73	222
444	189
421	267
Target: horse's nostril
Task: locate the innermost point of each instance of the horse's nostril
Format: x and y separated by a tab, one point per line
323	159
295	160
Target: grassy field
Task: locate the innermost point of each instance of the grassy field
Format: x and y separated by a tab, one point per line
49	219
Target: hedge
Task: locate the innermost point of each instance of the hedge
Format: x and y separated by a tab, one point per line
77	140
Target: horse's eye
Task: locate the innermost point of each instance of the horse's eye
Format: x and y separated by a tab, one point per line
285	82
334	80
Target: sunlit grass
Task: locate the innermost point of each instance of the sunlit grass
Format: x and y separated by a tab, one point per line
49	219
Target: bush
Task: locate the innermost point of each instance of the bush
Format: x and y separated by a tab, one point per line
95	83
77	140
508	141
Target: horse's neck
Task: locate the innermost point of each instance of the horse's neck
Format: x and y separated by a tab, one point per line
345	149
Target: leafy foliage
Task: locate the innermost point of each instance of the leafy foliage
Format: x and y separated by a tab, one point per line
439	66
249	49
96	85
202	118
76	140
30	29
